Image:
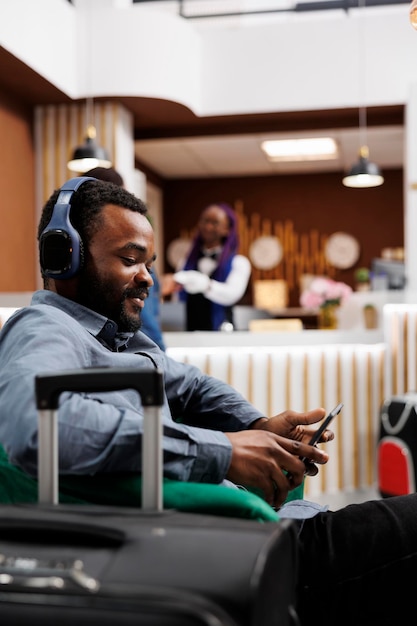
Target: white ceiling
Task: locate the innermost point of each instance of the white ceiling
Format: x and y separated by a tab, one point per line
241	155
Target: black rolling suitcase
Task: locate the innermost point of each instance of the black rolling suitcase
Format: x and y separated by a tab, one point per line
90	564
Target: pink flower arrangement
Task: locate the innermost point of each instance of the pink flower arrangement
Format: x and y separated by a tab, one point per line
324	291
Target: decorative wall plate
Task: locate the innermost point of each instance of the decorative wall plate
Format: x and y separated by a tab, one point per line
265	252
342	250
177	252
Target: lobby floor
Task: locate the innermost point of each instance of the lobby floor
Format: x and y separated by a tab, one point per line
339	500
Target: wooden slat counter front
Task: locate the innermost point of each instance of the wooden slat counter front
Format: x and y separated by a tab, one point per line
300	371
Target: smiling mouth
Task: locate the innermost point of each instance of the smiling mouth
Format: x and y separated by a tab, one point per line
138	302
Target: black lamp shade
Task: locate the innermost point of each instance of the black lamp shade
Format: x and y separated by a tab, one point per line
363	173
87	156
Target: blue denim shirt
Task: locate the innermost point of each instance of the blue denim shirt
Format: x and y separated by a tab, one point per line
101	432
150	315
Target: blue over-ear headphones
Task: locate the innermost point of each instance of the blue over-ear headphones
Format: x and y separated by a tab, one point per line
60	245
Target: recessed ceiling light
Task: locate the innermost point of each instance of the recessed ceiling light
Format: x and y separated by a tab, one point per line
312	149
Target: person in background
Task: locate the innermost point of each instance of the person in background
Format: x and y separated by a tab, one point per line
108	174
151	314
214	276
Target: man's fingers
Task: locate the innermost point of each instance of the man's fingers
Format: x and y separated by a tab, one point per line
303	450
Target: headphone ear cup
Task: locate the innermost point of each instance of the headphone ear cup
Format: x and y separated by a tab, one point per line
60	253
61	249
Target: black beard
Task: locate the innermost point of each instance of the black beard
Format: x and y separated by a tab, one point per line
127	323
95	294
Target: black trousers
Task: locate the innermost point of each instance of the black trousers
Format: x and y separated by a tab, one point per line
358	565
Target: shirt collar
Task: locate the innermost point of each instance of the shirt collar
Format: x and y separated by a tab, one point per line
212	253
102	328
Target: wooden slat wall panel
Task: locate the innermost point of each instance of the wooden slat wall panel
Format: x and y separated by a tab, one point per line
400	332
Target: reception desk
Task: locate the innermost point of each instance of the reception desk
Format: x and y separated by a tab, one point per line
303	370
310	368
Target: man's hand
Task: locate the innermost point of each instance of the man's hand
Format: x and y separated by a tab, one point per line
297	426
270	462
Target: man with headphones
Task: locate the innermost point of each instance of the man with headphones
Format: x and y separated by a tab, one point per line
150	314
356	565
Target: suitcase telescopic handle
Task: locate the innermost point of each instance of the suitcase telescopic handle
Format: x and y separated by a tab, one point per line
147	382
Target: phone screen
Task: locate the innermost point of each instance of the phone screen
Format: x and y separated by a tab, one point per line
325	424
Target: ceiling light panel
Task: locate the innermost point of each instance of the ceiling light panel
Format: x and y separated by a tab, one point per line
308	149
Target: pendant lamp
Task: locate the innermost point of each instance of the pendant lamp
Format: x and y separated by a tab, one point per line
89	154
363	173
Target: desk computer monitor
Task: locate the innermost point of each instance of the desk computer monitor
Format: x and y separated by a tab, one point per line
393	270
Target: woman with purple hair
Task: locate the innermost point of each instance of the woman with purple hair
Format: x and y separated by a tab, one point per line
214	276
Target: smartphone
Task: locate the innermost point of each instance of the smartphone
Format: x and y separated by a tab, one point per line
325	424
